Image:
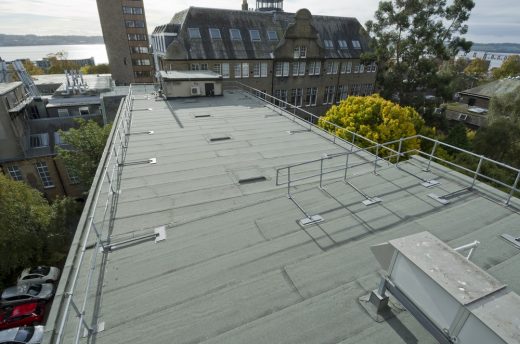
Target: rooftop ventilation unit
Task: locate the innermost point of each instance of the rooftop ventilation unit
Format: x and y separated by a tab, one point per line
455	300
195	91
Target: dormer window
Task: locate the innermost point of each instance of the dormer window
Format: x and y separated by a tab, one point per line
214	34
235	34
194	32
300	52
328	44
356	44
255	35
342	44
272	35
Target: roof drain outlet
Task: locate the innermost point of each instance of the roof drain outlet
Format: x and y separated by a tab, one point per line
219	138
202	116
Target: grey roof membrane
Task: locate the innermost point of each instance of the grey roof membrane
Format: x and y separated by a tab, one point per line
236	267
328	28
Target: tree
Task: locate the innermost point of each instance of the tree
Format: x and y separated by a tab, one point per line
409	36
458	137
499	141
26	217
87	143
375	118
510	67
29	66
506	106
477	68
97	69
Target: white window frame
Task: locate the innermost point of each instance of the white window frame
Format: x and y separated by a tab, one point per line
332	67
270	37
15	173
311	96
282	69
225	70
203	66
238	71
256	70
217	68
282	95
58	141
263	69
195	66
45	176
64	112
297	97
82	111
298	68
245	70
329	95
356	68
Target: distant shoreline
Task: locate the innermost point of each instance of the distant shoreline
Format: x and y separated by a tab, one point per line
34	40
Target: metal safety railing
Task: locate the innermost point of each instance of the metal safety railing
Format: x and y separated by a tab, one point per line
374	153
93	233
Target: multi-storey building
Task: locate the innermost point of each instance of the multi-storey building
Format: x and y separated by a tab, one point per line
123	23
308	60
30	128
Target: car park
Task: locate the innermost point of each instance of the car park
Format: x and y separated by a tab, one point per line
27	293
39	274
22	335
21	315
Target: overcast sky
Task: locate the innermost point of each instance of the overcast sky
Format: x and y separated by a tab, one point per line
495	21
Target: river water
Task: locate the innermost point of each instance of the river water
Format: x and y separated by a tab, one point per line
37	52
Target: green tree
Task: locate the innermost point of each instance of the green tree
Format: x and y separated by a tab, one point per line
506	106
510	67
499	141
25	226
477	68
87	143
97	69
410	36
457	136
375	118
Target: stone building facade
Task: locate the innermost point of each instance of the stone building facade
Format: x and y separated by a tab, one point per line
310	61
123	23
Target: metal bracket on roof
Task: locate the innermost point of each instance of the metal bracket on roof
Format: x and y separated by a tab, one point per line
439	198
159	234
306	221
291	132
512	239
100	327
147	109
430	183
149	132
369	200
373	200
150	161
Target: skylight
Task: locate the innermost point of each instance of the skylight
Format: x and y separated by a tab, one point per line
255	35
272	35
214	33
194	32
356	44
343	44
328	44
235	34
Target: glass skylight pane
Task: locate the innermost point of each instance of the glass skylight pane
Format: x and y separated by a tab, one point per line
272	35
194	32
214	33
235	34
255	35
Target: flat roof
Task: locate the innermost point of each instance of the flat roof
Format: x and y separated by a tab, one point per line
73	101
8	86
190	75
236	266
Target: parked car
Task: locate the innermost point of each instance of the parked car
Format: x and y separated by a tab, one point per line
19	335
27	293
39	274
21	315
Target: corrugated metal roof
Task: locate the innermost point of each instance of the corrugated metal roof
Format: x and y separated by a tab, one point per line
495	88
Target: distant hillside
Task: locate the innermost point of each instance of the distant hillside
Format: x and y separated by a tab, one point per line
497	47
21	40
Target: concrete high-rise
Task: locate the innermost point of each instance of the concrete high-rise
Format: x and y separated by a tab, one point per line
123	23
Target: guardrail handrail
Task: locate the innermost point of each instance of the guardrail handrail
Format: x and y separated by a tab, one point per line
263	96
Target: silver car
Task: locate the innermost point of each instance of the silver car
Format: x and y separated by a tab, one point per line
39	274
27	292
26	334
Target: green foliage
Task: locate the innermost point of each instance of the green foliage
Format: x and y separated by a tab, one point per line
510	67
32	232
375	118
499	141
506	106
97	69
59	63
87	143
477	68
29	66
409	37
457	136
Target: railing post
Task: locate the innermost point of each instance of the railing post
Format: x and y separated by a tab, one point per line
289	182
346	168
515	184
399	150
321	172
377	157
477	172
431	156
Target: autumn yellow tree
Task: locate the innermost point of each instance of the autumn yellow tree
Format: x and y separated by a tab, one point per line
375	118
510	67
477	68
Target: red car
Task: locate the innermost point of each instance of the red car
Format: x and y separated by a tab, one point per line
21	315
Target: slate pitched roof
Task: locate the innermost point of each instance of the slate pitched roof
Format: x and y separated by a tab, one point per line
328	27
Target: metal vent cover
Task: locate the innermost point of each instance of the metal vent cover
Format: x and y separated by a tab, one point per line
249	176
219	137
